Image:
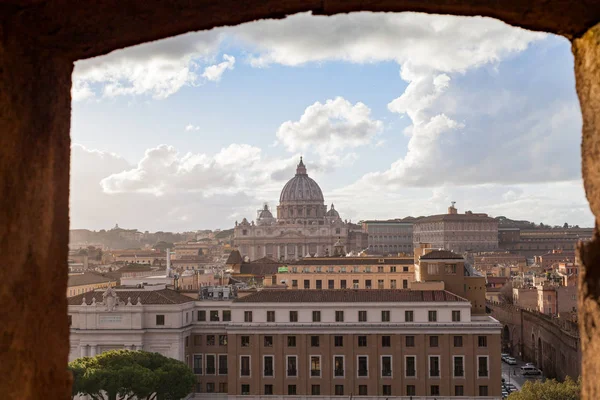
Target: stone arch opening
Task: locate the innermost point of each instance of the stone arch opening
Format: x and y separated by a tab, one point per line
506	339
34	215
540	357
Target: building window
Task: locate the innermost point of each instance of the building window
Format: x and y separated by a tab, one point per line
404	269
198	364
362	316
338	366
411	366
435	390
343	284
315	390
268	366
433	341
368	281
247	316
362	390
187	341
291	341
245	341
214	316
385	316
160	320
482	363
432	314
362	341
456	316
392	284
411	390
363	366
211	364
294	283
316	316
387	390
339	390
201	315
315	366
268	341
223	387
459	367
210	340
410	341
355	284
409	316
270	316
392	269
483	390
451	269
314	341
226	315
380	269
386	366
223	364
404	283
338	341
292	364
386	341
319	284
268	390
293	316
330	283
245	366
197	340
222	340
306	284
245	389
459	390
380	284
458	341
434	366
339	316
482	341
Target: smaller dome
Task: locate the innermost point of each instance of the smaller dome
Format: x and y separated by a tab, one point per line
265	213
332	212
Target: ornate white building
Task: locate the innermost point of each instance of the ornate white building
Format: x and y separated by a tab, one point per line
303	227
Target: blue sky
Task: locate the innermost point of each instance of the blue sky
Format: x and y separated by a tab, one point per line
395	114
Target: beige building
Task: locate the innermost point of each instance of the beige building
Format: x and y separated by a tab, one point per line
389	237
88	282
526	297
304	226
499	263
345	273
457	232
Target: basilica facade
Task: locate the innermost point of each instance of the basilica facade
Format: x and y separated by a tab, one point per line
304	226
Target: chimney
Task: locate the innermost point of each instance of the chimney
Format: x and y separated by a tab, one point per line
168	262
452	209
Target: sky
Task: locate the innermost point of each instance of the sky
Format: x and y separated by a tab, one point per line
394	115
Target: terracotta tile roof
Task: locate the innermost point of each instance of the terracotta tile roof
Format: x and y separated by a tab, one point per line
234	258
265	260
88	278
349	296
259	269
135	268
164	296
356	261
497	279
456	217
441	255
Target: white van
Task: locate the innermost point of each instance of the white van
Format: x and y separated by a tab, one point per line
530	370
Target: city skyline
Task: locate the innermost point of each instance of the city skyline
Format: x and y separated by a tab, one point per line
396	118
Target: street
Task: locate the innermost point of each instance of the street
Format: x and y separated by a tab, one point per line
512	374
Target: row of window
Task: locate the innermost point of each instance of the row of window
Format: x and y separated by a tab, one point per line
338	341
386	390
210	340
354	269
206	364
362	366
368	284
409	316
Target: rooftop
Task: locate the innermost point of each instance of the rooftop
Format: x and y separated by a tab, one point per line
349	296
89	278
441	255
164	296
355	261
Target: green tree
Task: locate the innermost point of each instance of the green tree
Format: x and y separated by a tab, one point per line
119	373
548	390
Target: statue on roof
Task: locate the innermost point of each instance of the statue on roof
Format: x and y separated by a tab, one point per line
110	299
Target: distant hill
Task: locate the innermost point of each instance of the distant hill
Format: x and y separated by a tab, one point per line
225	234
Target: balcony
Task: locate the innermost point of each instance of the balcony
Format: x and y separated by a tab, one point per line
198	371
434	372
315	372
245	372
292	372
338	372
386	372
483	373
268	372
459	372
210	370
363	372
222	371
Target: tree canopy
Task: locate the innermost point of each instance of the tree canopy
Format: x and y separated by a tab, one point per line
119	373
548	390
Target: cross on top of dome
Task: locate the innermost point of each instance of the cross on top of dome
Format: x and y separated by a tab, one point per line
301	168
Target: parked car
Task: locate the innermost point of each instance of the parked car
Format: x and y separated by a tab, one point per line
511	360
530	370
504	355
510	387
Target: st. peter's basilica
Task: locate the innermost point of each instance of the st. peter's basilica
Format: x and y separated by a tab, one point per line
304	227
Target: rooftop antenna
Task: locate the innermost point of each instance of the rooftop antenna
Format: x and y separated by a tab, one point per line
453	203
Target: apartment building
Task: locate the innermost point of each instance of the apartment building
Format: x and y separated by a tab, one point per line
327	343
344	273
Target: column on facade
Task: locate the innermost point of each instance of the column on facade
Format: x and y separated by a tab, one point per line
93	350
84	350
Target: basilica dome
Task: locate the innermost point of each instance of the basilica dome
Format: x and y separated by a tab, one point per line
301	188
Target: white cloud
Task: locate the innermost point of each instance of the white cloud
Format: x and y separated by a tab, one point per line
190	127
330	128
214	72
